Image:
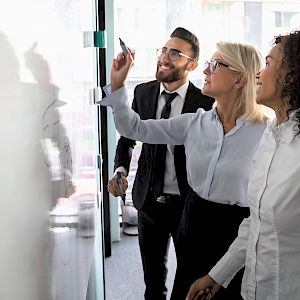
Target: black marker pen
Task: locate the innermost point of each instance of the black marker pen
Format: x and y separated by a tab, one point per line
124	47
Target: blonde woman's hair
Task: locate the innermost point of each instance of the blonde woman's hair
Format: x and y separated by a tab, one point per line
248	61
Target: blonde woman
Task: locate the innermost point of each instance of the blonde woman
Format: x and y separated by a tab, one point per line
219	146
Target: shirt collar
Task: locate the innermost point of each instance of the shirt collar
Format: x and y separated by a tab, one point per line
285	130
181	91
240	120
273	124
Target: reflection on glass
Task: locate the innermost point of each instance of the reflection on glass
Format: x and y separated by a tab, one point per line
26	246
49	144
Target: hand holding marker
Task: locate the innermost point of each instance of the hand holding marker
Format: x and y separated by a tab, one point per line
120	184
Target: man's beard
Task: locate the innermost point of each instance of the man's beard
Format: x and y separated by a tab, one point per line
177	74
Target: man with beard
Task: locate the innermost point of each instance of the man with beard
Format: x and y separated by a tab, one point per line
160	185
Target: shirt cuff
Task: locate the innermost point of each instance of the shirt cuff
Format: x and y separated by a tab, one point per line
120	169
115	98
107	89
225	269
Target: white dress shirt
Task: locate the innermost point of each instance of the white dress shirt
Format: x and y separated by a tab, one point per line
218	165
269	240
170	180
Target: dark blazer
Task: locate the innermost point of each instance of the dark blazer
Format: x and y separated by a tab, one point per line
145	104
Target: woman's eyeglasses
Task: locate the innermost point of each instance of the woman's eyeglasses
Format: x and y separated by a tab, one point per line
172	53
212	65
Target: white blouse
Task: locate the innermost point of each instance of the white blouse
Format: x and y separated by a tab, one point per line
269	240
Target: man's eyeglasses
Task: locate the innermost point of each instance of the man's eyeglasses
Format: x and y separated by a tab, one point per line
172	53
214	64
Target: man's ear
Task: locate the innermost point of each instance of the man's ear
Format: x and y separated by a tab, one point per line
193	64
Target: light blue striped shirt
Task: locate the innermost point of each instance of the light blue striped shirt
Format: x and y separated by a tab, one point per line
218	165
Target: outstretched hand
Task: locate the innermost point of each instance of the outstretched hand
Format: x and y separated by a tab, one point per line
120	68
203	289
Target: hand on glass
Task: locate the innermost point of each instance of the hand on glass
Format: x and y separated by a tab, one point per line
203	289
113	186
120	68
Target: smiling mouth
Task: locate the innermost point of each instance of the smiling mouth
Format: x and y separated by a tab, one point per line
163	67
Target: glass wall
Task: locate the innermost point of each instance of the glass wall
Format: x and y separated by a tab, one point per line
50	215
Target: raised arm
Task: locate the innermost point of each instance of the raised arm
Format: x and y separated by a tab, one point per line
171	131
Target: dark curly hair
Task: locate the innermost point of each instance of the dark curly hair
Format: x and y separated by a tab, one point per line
291	61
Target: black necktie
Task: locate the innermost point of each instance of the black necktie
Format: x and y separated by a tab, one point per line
165	113
161	150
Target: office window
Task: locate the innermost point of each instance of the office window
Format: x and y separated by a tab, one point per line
146	25
284	18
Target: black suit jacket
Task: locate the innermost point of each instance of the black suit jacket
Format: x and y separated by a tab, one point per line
145	104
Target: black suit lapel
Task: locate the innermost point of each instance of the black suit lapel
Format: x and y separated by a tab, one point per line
151	107
191	101
155	96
